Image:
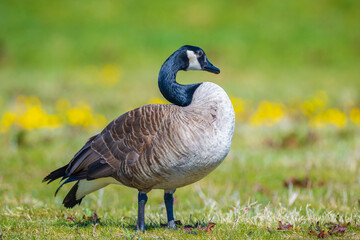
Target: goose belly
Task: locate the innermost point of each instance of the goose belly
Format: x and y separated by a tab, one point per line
192	171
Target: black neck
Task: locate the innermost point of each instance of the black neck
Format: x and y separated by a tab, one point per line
174	92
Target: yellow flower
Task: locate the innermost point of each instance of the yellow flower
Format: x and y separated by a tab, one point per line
355	115
7	120
268	114
79	116
239	107
331	116
36	117
238	104
110	75
82	115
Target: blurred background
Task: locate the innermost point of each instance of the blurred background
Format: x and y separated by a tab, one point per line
291	68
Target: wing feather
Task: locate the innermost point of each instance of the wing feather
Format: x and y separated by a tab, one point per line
123	150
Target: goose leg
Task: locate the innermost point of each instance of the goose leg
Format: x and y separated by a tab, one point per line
169	202
142	199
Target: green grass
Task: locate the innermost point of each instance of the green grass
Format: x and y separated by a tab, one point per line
266	51
246	193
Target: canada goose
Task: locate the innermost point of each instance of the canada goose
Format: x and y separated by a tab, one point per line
158	146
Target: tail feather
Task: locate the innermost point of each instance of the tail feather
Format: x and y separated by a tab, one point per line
83	188
88	169
55	174
68	180
70	200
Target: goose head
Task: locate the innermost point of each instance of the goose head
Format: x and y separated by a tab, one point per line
185	58
195	59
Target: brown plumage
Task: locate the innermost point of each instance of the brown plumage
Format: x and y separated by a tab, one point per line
124	149
158	146
135	147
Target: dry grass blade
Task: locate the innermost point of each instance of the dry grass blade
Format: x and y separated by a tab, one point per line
77	229
93	233
235	222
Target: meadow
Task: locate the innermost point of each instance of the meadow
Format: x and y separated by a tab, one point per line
291	69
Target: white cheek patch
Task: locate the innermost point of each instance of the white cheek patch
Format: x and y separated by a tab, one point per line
193	61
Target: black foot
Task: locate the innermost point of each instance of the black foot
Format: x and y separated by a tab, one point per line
171	224
140	227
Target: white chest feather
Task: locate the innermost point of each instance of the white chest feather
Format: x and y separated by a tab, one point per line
207	135
212	102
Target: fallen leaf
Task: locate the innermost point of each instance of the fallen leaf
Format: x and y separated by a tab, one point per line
94	218
303	183
190	228
329	229
209	227
318	227
284	227
312	232
322	235
338	229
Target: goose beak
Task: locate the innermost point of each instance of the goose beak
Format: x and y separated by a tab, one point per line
211	68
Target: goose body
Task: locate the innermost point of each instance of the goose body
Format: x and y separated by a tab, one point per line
158	146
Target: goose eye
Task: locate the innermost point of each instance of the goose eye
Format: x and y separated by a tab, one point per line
200	54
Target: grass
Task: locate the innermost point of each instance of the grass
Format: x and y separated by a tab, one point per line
266	51
245	194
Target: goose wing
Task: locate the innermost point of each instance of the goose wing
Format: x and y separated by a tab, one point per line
124	149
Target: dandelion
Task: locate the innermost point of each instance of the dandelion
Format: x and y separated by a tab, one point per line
239	106
82	115
110	75
331	116
36	117
7	120
268	114
355	115
28	115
